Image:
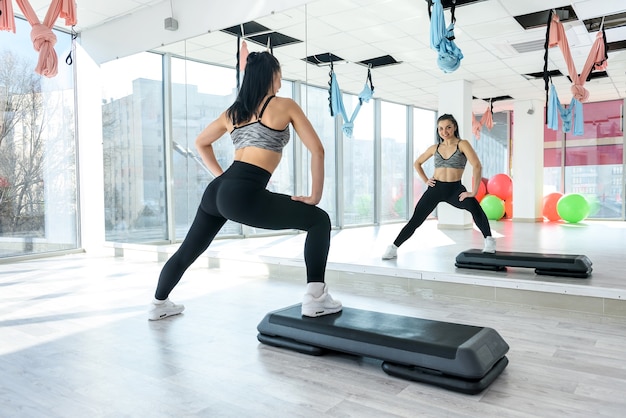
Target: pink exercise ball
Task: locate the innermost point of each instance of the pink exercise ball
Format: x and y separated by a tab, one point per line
500	185
549	206
508	209
482	191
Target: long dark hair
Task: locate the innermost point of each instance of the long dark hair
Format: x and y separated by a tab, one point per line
257	80
449	117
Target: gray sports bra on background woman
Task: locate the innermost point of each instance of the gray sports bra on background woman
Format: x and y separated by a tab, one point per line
456	160
256	134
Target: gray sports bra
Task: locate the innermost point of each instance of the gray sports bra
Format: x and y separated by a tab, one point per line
456	160
256	134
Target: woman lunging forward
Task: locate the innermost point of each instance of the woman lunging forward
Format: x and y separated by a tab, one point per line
451	154
258	123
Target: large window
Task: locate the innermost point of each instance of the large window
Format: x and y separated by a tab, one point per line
358	165
200	93
393	156
315	105
133	146
424	135
38	196
492	147
591	164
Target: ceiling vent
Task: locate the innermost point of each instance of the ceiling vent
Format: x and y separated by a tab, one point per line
448	3
530	46
379	61
493	99
616	46
323	59
261	35
610	22
539	74
593	75
539	19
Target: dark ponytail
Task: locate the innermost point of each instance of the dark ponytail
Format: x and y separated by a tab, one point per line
257	81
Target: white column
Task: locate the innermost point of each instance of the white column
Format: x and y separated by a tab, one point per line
527	156
455	98
90	155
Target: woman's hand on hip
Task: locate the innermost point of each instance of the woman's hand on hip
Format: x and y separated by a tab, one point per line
465	195
309	200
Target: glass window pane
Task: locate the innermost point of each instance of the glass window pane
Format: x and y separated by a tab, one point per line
358	164
594	161
200	93
393	162
492	147
552	159
133	146
424	135
38	199
315	106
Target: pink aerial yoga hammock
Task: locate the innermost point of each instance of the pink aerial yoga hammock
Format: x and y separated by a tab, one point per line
242	57
42	36
485	120
597	60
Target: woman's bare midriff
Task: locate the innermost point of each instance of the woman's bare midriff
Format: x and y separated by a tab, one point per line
266	159
447	174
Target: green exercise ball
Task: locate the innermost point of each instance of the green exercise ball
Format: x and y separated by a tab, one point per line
572	207
493	207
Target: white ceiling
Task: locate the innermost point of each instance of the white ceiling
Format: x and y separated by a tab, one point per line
357	30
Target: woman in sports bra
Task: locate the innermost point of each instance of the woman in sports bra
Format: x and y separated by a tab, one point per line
451	154
258	123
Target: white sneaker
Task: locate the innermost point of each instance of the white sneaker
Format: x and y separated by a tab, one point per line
390	252
490	245
323	305
164	309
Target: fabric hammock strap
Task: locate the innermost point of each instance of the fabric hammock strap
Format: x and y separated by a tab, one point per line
336	100
449	55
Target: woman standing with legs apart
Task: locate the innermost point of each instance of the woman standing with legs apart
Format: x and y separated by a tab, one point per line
451	154
258	123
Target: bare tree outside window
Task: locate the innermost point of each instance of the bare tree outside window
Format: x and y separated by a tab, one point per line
37	161
21	149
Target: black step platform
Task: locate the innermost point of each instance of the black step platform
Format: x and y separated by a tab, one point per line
567	265
463	358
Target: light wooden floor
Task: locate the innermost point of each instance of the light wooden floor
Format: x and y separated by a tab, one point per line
75	342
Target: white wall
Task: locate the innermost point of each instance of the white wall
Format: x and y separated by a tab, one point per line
527	161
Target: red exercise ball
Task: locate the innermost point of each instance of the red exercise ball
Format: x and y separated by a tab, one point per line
500	185
482	191
549	206
508	209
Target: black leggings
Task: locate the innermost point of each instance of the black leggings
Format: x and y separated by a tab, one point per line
444	192
240	195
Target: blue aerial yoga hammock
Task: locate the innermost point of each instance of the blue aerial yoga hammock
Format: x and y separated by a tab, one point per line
442	39
574	110
336	100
